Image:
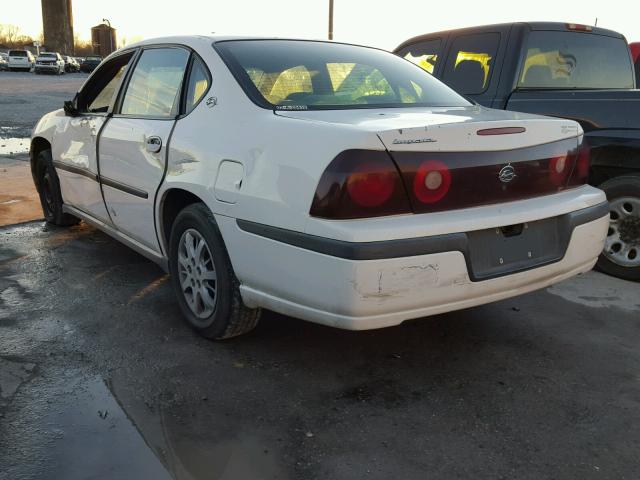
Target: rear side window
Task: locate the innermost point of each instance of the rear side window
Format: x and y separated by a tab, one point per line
18	53
155	84
471	61
575	60
424	54
198	84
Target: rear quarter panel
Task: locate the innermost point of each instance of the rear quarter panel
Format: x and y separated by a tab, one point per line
282	158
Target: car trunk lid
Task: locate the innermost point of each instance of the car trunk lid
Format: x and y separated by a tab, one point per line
467	157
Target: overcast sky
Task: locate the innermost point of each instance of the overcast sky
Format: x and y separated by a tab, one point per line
370	22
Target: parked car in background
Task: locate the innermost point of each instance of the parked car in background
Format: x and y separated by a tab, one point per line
635	54
89	64
563	70
70	64
360	196
50	62
4	64
21	60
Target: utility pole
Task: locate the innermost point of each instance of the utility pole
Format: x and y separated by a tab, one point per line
330	19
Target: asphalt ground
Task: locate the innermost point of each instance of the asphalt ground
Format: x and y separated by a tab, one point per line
101	378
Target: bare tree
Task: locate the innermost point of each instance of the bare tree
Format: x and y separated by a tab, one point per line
9	34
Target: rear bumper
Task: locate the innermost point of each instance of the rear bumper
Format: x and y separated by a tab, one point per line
366	286
412	247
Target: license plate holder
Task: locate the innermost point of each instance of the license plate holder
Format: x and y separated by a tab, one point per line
513	248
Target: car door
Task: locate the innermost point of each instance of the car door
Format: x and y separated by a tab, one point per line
133	145
74	146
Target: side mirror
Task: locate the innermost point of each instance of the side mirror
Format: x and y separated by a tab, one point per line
70	109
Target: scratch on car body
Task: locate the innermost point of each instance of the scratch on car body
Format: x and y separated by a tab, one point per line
396	282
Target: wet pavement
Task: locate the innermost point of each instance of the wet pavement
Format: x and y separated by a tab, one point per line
25	97
100	378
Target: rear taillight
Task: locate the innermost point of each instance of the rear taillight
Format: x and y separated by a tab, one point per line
580	174
432	181
559	169
360	184
368	186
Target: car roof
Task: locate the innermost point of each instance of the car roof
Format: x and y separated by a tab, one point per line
553	26
204	41
194	40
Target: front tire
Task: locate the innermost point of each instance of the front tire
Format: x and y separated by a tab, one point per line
621	254
202	276
48	186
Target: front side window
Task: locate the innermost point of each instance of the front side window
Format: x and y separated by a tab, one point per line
307	75
99	93
155	84
424	54
575	60
471	61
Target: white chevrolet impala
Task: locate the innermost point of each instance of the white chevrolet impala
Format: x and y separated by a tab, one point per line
335	183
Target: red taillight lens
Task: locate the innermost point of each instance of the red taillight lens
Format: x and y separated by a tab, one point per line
580	174
360	184
559	168
369	186
432	181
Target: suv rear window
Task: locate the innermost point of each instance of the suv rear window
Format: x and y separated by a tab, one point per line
18	53
575	60
312	75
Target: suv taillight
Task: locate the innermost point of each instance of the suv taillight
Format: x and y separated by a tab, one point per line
360	184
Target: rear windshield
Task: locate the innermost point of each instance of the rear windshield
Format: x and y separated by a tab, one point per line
48	55
18	53
575	60
93	59
307	75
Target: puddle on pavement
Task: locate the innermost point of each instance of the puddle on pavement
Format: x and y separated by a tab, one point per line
94	438
14	146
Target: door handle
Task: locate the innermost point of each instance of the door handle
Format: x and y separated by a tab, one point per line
153	144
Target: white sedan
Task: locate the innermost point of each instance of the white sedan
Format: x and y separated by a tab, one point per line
335	183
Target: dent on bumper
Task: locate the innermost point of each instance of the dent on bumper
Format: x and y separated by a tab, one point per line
365	294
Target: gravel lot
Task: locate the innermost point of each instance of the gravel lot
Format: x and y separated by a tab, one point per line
100	378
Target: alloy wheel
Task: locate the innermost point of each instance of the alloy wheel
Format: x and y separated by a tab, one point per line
197	274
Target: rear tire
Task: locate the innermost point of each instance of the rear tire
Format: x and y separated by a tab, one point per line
621	254
48	186
202	276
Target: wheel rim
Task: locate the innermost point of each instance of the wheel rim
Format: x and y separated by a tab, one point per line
197	274
48	195
622	246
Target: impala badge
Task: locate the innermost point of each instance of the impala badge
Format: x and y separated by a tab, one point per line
507	173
